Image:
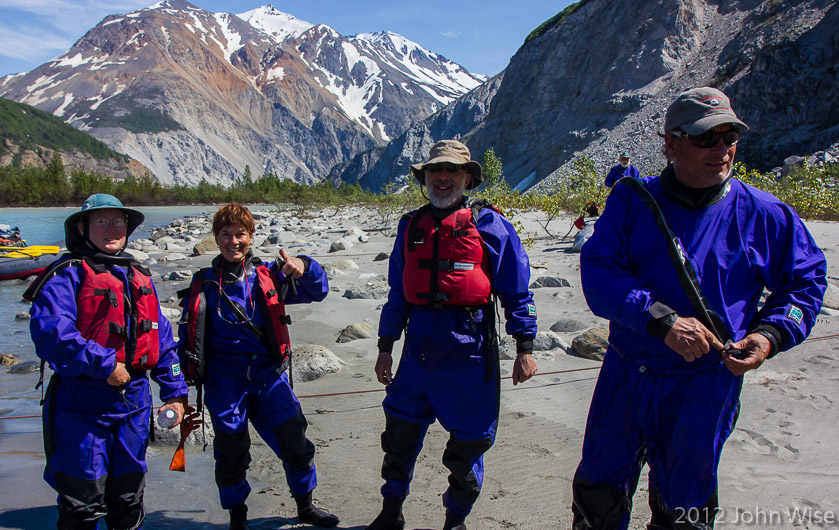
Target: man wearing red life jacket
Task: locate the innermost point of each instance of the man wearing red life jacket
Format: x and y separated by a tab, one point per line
449	259
96	321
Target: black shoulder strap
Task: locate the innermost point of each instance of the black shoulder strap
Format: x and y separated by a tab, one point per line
476	205
35	288
411	235
684	268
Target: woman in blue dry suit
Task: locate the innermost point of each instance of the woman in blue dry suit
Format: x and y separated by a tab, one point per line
96	321
236	325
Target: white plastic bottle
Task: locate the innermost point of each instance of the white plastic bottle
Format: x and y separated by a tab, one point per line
166	418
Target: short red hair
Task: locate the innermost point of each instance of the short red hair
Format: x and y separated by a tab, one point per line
233	214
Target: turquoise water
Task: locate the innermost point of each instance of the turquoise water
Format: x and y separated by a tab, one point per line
45	226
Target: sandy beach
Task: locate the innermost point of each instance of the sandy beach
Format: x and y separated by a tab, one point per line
778	468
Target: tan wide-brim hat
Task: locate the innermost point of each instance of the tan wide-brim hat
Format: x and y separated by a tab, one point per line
453	152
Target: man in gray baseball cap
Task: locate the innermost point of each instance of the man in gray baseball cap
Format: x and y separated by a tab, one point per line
680	339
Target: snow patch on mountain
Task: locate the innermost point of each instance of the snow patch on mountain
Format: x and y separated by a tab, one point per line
232	39
275	23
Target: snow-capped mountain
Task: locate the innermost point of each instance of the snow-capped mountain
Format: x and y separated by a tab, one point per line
196	95
275	23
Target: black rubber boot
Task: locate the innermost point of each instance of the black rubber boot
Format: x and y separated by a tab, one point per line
454	523
390	518
239	517
309	513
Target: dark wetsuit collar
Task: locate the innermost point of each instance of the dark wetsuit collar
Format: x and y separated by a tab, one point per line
86	250
232	272
692	198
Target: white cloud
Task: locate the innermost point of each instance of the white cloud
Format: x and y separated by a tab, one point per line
71	16
30	44
36	30
451	33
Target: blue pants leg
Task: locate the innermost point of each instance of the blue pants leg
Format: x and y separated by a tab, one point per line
268	401
95	440
676	423
465	403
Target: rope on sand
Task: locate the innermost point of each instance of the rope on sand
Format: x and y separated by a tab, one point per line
351	392
341	393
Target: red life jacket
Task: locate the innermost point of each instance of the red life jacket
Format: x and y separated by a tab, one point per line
446	262
271	302
101	311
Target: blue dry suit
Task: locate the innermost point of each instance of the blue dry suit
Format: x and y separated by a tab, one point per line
245	381
95	434
651	405
445	367
618	172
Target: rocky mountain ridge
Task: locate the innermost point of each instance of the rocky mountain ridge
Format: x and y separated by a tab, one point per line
195	95
599	80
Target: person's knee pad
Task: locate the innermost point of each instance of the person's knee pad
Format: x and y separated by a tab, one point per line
297	451
232	454
691	518
460	457
80	502
598	506
401	442
124	499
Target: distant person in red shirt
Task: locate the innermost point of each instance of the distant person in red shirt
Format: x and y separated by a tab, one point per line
592	212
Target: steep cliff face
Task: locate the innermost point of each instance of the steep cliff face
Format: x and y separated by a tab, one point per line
376	168
599	81
776	60
197	95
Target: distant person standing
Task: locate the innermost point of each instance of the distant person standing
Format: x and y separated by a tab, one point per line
97	322
680	339
622	169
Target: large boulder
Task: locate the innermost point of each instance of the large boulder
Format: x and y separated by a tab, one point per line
205	246
592	344
547	341
357	330
370	290
550	281
312	361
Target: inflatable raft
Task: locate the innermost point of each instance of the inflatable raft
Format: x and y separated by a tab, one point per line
19	262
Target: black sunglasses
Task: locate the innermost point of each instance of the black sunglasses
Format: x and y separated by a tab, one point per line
449	168
710	139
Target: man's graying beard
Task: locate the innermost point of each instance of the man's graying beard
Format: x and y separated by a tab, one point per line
444	203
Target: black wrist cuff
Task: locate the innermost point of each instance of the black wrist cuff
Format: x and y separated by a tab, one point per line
524	345
662	319
307	261
773	334
386	344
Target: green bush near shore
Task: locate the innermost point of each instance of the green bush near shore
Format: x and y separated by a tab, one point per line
812	191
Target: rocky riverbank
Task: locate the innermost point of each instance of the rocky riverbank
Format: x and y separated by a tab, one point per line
782	438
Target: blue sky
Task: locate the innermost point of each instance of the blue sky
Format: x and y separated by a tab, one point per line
481	35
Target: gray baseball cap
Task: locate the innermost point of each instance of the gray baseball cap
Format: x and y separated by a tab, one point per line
700	109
